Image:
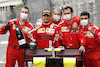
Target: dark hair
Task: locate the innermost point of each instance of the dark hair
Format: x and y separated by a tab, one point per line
25	7
85	13
68	7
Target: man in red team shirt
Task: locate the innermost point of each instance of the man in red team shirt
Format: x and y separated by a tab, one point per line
71	35
56	16
92	37
68	12
56	19
45	34
14	52
71	39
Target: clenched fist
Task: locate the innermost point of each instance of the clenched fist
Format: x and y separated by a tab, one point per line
74	26
91	30
7	27
57	36
30	35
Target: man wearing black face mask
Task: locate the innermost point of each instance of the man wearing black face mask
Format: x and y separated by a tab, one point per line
14	51
92	37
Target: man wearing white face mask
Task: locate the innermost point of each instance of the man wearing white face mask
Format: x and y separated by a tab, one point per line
56	19
56	16
70	35
68	12
92	37
66	30
14	26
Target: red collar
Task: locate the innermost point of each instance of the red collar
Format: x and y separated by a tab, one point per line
69	25
20	26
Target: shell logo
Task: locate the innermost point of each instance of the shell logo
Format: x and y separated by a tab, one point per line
63	28
39	30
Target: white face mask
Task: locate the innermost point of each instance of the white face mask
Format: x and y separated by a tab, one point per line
84	22
67	17
24	16
56	17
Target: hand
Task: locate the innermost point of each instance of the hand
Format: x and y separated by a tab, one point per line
82	48
61	47
30	35
57	36
74	26
91	30
33	45
36	25
7	27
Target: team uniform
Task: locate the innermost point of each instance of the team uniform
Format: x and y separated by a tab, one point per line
14	52
45	35
57	42
74	19
70	38
92	47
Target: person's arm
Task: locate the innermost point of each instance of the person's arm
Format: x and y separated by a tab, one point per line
59	36
5	28
82	41
32	35
97	35
96	32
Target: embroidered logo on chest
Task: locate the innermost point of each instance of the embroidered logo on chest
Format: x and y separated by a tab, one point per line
49	30
14	27
64	29
26	29
41	30
89	34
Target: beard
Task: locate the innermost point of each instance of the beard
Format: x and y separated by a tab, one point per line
46	21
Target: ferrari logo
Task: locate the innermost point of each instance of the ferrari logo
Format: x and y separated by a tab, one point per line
42	29
24	28
89	33
66	28
47	29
